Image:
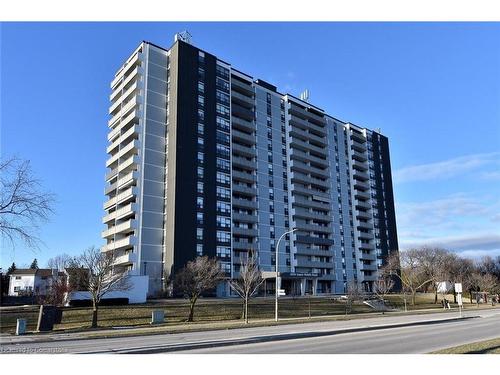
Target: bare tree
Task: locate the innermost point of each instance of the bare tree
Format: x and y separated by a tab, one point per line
23	203
461	271
103	277
434	263
354	293
60	262
382	287
248	283
407	266
197	277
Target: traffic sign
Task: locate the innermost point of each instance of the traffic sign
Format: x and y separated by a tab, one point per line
281	292
458	287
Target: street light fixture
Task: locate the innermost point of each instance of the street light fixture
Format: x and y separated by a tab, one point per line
277	264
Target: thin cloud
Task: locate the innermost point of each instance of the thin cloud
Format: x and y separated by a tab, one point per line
475	243
444	169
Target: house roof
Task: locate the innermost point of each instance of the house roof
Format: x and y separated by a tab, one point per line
29	271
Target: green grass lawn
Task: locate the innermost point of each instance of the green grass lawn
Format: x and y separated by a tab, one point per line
206	310
480	347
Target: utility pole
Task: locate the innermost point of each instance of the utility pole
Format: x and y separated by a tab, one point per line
277	264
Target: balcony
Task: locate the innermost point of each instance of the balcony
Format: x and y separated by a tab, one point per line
124	138
242	112
127	180
361	185
365	236
248	151
306	214
356	155
242	137
123	228
114	134
244	163
243	189
357	136
358	146
132	163
243	100
362	205
122	244
313	227
363	214
300	201
360	166
121	198
361	194
241	245
244	203
122	213
362	176
368	256
126	259
241	124
244	218
241	87
245	232
242	176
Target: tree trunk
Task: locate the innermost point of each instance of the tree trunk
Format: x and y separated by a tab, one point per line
191	309
246	310
413	298
454	297
94	314
435	296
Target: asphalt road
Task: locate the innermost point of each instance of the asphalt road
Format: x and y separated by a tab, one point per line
405	340
317	337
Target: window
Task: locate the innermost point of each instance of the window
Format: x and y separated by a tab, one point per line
200	188
221	84
18	277
222	124
223	151
223	251
223	178
222	137
222	110
199	218
223	207
223	165
201	114
201	157
201	101
199	249
200	141
200	172
223	192
223	221
222	72
199	234
199	202
223	236
222	98
201	87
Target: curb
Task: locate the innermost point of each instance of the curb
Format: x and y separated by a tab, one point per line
261	339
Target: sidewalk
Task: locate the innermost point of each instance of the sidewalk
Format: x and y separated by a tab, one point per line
335	322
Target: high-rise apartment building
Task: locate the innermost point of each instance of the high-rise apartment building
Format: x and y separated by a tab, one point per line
207	160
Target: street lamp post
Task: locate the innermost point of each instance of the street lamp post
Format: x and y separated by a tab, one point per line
277	264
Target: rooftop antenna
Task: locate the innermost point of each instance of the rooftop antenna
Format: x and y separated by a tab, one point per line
304	96
185	36
379	130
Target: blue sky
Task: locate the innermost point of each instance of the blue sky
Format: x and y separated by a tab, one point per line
433	89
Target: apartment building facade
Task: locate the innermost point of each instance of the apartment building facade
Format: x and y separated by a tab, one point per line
206	160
